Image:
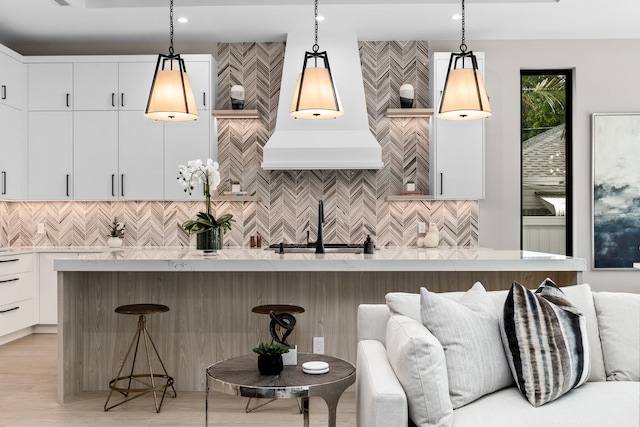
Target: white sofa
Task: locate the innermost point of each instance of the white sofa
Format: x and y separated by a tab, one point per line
611	397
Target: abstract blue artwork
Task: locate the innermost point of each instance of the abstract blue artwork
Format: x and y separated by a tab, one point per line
616	190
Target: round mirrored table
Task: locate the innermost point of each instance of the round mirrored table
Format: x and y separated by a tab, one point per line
239	376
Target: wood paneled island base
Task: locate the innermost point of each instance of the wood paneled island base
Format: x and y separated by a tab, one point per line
210	316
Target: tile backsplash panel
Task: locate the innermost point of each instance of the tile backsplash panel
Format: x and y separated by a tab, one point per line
354	201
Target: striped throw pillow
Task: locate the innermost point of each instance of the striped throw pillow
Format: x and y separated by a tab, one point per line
545	339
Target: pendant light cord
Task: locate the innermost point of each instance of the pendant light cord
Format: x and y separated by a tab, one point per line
171	28
463	45
315	46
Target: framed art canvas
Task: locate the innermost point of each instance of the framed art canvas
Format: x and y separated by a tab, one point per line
616	190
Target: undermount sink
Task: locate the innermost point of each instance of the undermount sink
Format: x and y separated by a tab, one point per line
349	248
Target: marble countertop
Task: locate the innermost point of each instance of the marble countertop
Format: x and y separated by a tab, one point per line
384	259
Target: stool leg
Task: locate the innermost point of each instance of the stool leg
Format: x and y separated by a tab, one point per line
164	369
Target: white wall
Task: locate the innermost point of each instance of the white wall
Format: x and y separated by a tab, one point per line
605	72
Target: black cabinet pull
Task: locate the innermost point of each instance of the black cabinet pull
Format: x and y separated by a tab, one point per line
441	183
113	185
8	310
204	99
122	185
122	99
67	100
15	279
4	182
4	92
67	185
113	99
10	260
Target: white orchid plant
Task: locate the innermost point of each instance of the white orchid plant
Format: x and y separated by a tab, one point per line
192	175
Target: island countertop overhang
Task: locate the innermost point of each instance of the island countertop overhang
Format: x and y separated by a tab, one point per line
384	259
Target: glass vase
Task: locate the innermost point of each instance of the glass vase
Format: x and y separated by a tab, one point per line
210	240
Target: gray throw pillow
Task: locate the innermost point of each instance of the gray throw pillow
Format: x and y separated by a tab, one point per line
469	333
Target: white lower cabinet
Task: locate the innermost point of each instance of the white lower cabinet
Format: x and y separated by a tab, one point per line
17	293
48	286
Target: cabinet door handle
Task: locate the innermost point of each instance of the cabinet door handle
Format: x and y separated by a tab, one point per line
113	185
4	182
122	185
67	100
113	99
8	310
10	260
441	183
204	99
4	92
15	279
122	99
67	185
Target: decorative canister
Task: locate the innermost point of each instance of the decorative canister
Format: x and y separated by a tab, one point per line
407	94
237	97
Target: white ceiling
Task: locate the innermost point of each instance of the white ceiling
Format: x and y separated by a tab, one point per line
122	26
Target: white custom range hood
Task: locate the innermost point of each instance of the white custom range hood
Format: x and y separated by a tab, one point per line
342	143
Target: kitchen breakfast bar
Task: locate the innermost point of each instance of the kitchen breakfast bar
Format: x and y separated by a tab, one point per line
211	297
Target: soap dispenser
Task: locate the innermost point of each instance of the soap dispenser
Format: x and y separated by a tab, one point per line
369	247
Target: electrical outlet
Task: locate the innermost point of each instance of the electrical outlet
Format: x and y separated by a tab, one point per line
40	228
318	345
422	227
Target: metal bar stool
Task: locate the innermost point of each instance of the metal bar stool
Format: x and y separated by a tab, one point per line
278	322
150	384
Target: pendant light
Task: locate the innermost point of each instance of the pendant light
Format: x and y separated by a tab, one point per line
171	97
316	96
464	96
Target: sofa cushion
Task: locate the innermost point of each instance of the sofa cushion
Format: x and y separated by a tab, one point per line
469	333
594	404
418	360
408	304
545	338
619	323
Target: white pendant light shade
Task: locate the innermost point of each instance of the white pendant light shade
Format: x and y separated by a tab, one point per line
464	96
171	97
315	96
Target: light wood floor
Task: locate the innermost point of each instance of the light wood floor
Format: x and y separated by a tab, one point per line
28	398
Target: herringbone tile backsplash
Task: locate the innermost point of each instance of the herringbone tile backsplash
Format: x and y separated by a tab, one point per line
354	201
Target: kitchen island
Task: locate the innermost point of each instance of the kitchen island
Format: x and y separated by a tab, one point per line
210	300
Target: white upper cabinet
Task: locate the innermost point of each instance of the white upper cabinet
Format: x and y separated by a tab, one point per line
141	154
134	80
50	155
95	155
50	86
200	78
10	81
184	141
456	146
11	157
95	86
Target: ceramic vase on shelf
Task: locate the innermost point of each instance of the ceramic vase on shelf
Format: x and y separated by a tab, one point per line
210	240
237	97
432	238
407	94
114	242
270	364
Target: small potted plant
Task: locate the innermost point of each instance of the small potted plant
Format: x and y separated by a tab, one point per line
270	358
116	234
235	186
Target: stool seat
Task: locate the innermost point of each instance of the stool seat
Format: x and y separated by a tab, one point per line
140	309
277	308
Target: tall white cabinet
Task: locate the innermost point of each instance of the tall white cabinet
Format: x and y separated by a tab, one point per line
103	146
10	125
456	148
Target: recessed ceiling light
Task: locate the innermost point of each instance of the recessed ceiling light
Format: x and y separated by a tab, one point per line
456	16
183	20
